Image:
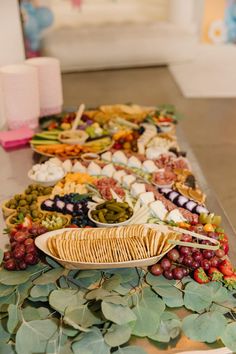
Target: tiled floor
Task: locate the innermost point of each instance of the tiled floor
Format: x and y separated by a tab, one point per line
209	124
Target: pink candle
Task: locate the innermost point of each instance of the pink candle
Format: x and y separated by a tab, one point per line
20	95
50	85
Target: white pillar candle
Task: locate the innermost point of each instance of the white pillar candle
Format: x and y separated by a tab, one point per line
50	85
20	95
181	13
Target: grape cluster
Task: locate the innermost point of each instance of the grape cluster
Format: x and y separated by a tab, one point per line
182	260
23	251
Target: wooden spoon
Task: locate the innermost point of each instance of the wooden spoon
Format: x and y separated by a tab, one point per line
72	136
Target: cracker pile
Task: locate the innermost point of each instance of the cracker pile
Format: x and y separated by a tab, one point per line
108	245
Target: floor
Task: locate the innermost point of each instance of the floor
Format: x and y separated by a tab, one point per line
209	124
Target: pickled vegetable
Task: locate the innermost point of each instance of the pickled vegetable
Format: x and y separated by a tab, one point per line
112	212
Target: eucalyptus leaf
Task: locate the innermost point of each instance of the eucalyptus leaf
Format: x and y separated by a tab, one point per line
85	278
33	336
117	335
56	342
116	299
150	299
206	327
42	290
1	256
112	283
60	299
81	316
52	262
126	274
24	290
6	349
167	291
97	294
50	276
123	290
132	349
147	321
6	289
229	336
13	277
69	331
32	313
219	293
176	301
170	327
90	343
38	299
117	313
13	318
6	300
197	297
63	283
4	335
159	281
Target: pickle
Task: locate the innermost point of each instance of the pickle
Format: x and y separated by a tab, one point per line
115	208
101	217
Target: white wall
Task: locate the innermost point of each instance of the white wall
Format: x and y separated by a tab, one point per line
11	40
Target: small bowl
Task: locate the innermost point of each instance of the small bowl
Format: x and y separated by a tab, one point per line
73	137
90	156
45	183
103	224
7	211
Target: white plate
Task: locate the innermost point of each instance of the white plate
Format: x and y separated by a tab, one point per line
41	243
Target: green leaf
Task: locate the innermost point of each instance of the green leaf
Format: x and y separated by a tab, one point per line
6	300
37	299
63	283
6	349
1	256
33	336
204	328
112	283
219	293
117	313
151	300
52	262
229	336
116	299
117	335
13	277
6	289
170	327
13	318
132	349
147	321
159	281
4	335
69	331
197	297
62	298
42	290
126	274
24	290
49	277
81	316
85	278
176	301
90	343
167	291
31	313
122	290
98	294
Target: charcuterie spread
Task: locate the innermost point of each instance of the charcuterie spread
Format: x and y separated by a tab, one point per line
116	216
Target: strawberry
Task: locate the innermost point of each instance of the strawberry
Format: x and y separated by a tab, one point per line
230	281
225	247
200	276
226	267
214	274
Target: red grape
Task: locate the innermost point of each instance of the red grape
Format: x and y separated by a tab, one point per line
173	255
168	274
165	263
215	261
220	253
186	238
208	254
18	253
195	264
178	273
185	271
205	264
185	251
30	248
156	269
188	261
213	235
198	256
22	265
7	255
10	264
13	232
20	236
31	258
29	241
13	244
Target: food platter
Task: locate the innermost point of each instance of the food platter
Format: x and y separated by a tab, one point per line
141	180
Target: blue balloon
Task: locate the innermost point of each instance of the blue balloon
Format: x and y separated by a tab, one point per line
31	27
44	17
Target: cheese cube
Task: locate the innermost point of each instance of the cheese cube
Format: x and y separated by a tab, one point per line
108	170
107	156
146	198
78	167
137	188
118	175
158	209
94	169
119	157
134	162
149	166
128	180
175	215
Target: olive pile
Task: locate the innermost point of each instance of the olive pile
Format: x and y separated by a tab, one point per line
112	212
26	203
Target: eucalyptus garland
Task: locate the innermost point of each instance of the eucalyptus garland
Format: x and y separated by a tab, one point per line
49	309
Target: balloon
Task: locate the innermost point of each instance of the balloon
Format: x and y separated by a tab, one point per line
44	17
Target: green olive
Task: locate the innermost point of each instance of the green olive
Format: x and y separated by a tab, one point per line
22	202
35	213
17	197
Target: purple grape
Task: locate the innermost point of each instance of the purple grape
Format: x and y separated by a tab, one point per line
173	255
188	261
156	269
168	274
165	264
178	273
205	264
208	254
198	256
185	251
